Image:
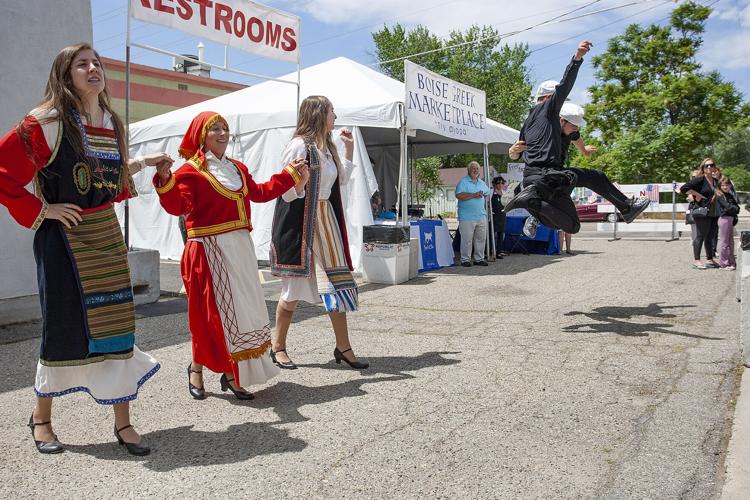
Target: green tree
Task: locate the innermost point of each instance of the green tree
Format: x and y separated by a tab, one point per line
733	149
498	70
653	113
427	178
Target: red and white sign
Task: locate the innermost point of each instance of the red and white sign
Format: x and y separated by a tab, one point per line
240	24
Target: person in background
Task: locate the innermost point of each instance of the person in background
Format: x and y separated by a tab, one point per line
690	199
472	215
565	245
498	215
703	189
729	209
376	205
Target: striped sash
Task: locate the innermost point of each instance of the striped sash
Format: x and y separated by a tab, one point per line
336	285
101	259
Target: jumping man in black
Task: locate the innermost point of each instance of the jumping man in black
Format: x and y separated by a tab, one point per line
543	143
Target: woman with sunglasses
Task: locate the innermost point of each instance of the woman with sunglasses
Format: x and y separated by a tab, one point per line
705	212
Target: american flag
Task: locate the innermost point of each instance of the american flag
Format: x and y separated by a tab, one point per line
651	192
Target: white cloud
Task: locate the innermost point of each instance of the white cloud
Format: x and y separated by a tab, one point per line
731	51
733	12
507	16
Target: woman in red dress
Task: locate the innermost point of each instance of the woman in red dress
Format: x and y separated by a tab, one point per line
226	308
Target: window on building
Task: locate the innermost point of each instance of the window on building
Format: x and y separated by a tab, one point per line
182	86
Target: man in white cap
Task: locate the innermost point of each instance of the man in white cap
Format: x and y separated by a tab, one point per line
571	121
546	193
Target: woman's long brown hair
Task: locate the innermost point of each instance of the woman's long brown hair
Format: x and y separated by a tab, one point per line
311	123
60	96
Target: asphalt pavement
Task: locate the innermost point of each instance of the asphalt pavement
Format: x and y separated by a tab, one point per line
612	373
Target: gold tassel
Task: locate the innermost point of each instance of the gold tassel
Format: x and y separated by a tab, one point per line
250	353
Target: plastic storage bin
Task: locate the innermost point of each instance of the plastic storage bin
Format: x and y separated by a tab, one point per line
386	263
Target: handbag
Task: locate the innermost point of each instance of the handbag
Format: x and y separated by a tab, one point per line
689	218
699	212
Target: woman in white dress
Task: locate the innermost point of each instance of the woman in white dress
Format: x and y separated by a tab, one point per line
309	246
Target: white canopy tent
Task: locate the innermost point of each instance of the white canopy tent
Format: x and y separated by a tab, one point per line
262	118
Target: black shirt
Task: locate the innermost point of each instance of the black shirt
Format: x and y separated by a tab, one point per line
565	142
541	129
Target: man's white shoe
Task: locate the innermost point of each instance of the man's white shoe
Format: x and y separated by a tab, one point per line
530	226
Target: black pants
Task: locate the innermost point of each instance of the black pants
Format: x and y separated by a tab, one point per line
553	206
706	229
498	224
598	182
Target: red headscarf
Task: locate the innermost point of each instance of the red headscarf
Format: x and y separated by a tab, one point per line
194	141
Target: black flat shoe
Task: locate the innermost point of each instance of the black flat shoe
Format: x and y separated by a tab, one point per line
289	365
138	449
46	447
357	365
226	386
196	392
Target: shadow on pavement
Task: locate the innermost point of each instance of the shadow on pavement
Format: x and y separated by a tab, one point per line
286	398
184	447
610	320
393	365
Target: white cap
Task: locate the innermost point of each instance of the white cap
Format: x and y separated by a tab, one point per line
546	88
573	113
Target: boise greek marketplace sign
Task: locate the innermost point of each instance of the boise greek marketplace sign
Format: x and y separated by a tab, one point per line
240	24
440	105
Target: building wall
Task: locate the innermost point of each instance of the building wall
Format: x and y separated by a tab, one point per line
154	91
39	29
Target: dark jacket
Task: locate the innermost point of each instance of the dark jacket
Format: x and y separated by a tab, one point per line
498	216
701	185
541	129
728	205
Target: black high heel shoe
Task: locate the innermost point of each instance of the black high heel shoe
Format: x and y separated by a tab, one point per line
226	386
138	449
46	447
196	392
289	365
339	357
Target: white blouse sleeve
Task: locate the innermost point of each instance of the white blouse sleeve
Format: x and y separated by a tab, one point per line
293	150
345	174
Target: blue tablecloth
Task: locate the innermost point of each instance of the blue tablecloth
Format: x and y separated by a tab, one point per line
435	250
545	242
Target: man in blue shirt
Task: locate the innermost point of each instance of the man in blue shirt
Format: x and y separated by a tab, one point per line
472	215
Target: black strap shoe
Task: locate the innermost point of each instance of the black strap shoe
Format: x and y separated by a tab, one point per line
289	365
46	447
357	365
239	394
196	392
138	449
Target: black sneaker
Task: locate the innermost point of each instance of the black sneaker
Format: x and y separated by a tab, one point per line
466	264
530	227
636	208
481	263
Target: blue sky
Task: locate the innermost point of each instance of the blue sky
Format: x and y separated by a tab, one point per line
332	28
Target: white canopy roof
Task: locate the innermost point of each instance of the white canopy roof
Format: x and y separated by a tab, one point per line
361	96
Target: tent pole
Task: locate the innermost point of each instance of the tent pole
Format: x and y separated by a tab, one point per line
126	207
296	115
490	249
404	181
